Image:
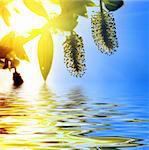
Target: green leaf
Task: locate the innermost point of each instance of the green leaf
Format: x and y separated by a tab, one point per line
113	5
45	53
80	11
65	22
90	3
77	7
74	7
36	7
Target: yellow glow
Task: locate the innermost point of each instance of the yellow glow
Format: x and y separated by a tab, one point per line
24	20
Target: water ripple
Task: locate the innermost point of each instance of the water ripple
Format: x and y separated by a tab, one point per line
46	121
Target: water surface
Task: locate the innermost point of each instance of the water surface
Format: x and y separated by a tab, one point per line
73	118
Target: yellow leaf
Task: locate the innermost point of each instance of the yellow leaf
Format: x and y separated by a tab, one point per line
19	49
55	1
5	2
7	40
1	64
16	10
21	54
32	34
6	15
36	7
4	51
12	46
15	63
45	53
6	44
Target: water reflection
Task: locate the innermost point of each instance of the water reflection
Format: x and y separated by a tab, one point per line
49	121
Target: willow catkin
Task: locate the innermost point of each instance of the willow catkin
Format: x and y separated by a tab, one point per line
104	32
74	54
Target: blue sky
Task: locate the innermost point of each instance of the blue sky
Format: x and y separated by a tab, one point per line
128	67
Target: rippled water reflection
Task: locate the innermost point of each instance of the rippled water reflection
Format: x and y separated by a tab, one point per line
48	120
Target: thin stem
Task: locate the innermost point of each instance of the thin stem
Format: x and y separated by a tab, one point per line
71	32
101	8
15	69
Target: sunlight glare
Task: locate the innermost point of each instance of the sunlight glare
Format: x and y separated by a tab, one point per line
22	22
25	20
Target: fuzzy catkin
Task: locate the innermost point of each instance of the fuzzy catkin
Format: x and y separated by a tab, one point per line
74	54
104	32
